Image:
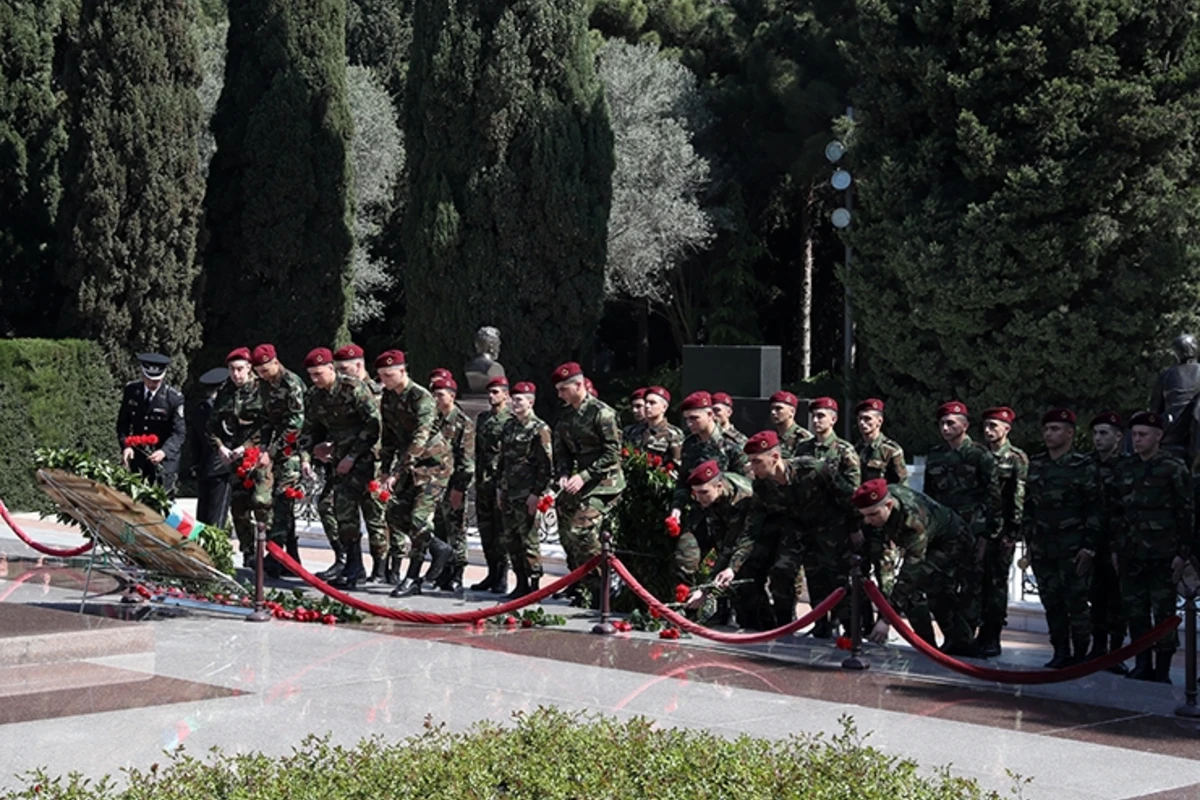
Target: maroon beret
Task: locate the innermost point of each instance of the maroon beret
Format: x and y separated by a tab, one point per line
389	358
823	403
524	387
638	393
952	407
761	442
238	354
441	382
660	391
870	404
696	400
566	372
1108	418
722	399
1002	413
871	493
318	357
1147	418
590	387
263	354
499	380
348	352
787	398
1059	415
440	372
703	473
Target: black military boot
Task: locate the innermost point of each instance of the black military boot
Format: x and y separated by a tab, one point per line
489	579
1080	647
1162	666
378	568
353	572
1115	640
335	569
391	573
987	642
522	587
1099	646
455	582
441	554
411	585
1062	653
1143	670
500	582
821	629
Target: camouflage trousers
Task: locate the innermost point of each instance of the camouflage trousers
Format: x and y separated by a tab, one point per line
752	604
991	601
934	588
491	523
285	474
1149	598
450	525
827	568
1108	609
247	507
368	508
410	515
1064	595
692	545
353	504
580	519
521	539
881	561
325	507
775	559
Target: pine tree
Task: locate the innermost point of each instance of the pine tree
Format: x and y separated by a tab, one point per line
511	157
278	205
1028	217
132	188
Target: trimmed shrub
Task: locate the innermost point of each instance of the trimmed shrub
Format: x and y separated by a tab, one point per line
53	393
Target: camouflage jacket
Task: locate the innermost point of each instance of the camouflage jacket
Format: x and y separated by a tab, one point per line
882	458
283	402
345	415
1152	501
1062	506
719	448
488	427
790	439
964	479
1012	470
838	460
1103	470
411	436
526	457
238	416
459	432
809	498
666	440
728	521
587	442
735	435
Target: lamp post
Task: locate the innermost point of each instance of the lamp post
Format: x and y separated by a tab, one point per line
842	181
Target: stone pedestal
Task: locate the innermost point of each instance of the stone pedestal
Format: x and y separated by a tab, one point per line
741	371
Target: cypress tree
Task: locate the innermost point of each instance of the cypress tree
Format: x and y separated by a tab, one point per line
132	188
1026	231
32	139
510	180
278	205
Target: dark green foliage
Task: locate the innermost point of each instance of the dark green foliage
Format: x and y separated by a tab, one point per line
1028	218
52	394
379	35
132	189
278	205
510	162
32	139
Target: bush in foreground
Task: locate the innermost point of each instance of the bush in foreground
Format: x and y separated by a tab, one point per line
547	754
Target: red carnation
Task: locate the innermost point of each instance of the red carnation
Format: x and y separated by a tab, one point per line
545	504
287	451
299	494
152	438
384	496
373	487
672	525
669	466
625	452
844	643
669	633
290	437
526	623
329	619
654	459
682	592
241	471
510	621
655	613
247	484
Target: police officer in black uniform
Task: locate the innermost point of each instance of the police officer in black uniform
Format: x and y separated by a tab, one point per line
212	474
150	406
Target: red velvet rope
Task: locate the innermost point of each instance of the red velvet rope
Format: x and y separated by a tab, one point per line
42	548
1015	676
422	617
686	624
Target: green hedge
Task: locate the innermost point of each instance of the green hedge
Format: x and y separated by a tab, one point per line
547	755
52	394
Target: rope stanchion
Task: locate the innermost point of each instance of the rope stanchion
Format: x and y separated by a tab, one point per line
604	627
42	548
422	617
1016	677
683	623
1189	708
260	545
855	660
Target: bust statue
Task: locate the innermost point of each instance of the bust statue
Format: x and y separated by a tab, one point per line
1176	389
484	366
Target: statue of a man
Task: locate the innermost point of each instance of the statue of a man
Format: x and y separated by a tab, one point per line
484	366
1176	387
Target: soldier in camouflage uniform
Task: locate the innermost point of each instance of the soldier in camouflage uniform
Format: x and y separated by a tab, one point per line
962	475
587	461
723	411
637	409
1061	524
1153	526
878	457
937	555
655	434
450	523
488	427
417	461
827	556
705	442
283	400
783	419
1108	613
526	468
341	426
1012	467
236	423
724	501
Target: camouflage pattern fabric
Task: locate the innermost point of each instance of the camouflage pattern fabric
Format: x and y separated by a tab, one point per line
736	436
719	527
1012	470
790	439
450	524
488	427
882	458
414	450
237	420
664	440
525	468
964	479
1104	596
827	556
283	403
587	442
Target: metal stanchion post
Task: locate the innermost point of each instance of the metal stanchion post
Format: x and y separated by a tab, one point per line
604	626
260	551
855	661
1189	707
